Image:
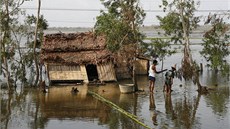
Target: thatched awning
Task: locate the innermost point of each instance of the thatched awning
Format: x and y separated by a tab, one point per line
83	57
73	42
75	48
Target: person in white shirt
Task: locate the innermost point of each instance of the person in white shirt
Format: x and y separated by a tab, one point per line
152	75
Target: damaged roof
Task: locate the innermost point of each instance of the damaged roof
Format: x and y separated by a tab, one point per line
74	48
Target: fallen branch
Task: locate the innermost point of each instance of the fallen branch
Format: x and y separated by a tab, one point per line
114	106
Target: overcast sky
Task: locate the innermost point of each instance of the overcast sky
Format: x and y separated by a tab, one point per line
83	13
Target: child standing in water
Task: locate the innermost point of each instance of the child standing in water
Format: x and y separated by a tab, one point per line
169	75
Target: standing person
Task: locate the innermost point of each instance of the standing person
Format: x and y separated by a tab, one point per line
169	76
152	75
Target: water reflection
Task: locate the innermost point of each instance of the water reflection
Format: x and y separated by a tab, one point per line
152	105
185	110
60	103
218	100
129	102
169	111
152	108
6	112
59	108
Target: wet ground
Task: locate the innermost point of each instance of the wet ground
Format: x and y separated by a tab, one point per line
183	109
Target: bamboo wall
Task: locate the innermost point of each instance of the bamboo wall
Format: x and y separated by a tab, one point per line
58	72
106	72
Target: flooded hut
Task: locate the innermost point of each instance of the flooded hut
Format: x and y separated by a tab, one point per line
75	57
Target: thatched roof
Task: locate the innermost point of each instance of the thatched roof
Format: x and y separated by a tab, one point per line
74	48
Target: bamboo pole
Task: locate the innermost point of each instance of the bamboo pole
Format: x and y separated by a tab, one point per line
114	106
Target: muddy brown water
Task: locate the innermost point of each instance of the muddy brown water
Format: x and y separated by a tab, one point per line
183	109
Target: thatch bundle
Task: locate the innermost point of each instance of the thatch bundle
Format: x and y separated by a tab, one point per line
74	48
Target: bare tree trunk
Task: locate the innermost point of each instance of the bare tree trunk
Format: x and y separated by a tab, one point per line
35	43
134	60
162	64
187	60
197	80
6	35
40	66
134	77
1	42
189	70
6	73
187	55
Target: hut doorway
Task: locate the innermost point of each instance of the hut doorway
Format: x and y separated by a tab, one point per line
92	73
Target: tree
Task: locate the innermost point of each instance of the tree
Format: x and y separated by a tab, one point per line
35	43
41	24
120	25
15	61
9	21
215	47
179	22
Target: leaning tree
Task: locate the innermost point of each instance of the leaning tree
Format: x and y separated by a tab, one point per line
120	25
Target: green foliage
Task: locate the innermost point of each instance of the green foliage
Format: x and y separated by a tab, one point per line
120	24
215	47
116	32
158	47
161	48
172	26
172	22
42	25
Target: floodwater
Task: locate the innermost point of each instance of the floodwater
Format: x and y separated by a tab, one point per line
59	108
183	109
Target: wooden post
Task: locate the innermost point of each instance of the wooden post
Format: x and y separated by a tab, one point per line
201	67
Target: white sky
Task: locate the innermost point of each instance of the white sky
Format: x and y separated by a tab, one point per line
83	13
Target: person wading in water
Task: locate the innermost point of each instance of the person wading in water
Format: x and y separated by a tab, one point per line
169	76
152	75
